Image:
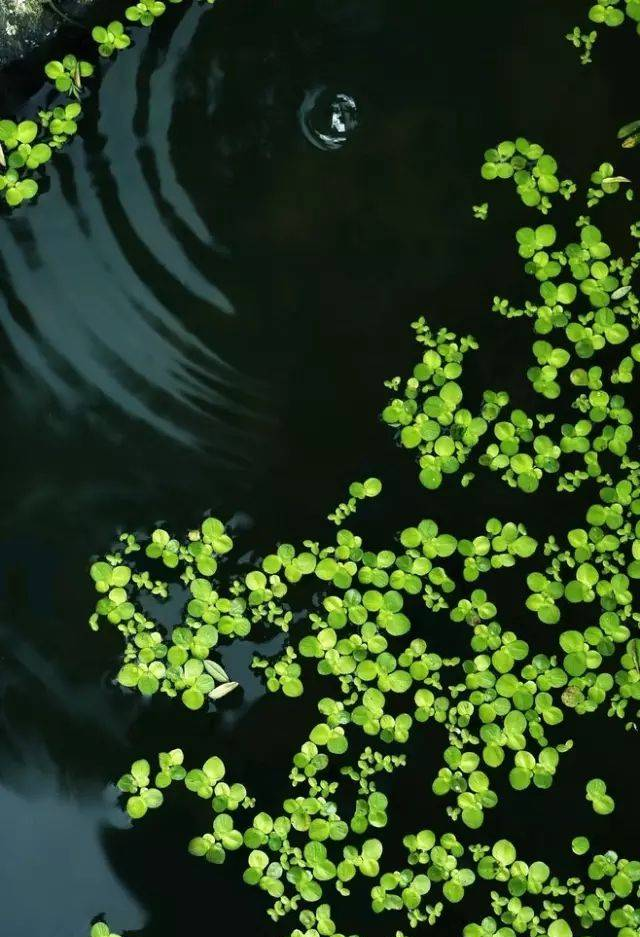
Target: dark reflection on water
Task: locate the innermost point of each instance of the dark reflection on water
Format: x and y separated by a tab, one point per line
198	315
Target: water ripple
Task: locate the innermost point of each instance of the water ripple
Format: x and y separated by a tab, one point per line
112	285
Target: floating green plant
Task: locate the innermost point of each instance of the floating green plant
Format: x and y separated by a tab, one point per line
534	172
69	74
111	38
597	795
370	488
580	845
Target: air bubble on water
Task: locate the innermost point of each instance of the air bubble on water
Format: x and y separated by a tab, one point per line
327	118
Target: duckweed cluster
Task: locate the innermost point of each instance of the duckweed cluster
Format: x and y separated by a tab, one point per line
501	707
597	795
496	710
302	856
534	172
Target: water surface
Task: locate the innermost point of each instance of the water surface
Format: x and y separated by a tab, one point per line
198	315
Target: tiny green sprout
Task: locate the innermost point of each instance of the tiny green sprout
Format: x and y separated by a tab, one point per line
481	211
137	783
370	488
601	802
62	123
110	38
203	780
17	190
131	545
171	768
605	182
68	75
145	12
12	134
29	156
163	547
213	533
580	845
584	41
107	576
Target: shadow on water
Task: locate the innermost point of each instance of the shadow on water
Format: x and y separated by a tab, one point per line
198	315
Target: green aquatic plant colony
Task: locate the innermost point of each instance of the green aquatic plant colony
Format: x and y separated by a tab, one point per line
500	707
351	616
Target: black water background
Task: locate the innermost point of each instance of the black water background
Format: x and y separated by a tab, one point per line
326	258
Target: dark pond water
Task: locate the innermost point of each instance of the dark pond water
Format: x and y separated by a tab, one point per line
198	315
